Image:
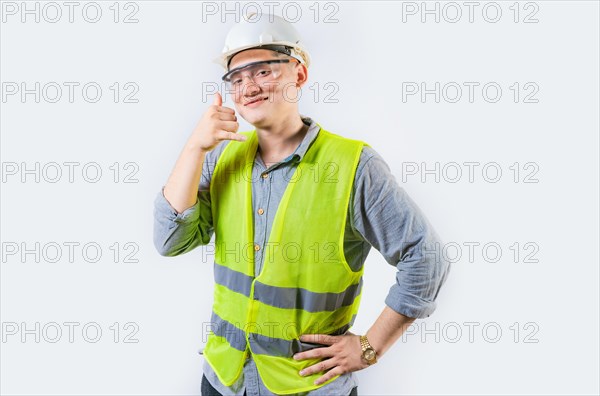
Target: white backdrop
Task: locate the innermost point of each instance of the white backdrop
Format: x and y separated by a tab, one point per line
487	116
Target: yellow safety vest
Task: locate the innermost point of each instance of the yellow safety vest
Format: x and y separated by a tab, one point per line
305	285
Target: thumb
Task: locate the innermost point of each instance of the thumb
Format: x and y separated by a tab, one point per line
217	100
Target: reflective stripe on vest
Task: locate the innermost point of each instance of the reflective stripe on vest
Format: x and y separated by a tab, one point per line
286	297
305	285
262	344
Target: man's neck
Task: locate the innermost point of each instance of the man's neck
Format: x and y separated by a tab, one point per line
275	144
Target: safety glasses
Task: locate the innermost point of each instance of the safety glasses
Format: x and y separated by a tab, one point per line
259	72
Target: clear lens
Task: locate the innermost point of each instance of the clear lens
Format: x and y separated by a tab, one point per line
259	73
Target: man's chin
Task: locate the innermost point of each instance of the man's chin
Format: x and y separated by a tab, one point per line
256	118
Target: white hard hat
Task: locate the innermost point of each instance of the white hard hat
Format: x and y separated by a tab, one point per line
263	31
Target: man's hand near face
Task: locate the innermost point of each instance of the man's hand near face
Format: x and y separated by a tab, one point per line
218	123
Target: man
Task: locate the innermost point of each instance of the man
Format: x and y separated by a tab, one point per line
286	292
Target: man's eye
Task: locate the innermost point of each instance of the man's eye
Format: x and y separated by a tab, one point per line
236	81
263	72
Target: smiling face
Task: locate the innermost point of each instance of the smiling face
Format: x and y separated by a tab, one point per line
267	101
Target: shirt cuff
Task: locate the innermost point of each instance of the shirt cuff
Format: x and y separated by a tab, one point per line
409	305
163	207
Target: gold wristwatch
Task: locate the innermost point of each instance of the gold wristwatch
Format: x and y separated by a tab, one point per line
368	353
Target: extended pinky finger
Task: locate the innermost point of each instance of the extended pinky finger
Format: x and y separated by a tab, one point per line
225	135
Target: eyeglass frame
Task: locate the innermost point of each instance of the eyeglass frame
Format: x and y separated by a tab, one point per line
229	73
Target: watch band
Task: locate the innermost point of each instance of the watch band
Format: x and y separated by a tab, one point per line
368	352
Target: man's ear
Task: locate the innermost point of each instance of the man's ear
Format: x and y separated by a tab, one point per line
301	75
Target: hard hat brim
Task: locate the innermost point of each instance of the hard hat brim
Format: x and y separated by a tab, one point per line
297	52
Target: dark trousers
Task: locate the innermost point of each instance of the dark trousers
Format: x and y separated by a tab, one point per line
208	390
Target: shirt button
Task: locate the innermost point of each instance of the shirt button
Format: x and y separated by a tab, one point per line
256	247
261	211
265	175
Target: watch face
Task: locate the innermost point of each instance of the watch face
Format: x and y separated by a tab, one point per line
369	354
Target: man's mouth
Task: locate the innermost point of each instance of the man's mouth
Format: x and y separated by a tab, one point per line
256	100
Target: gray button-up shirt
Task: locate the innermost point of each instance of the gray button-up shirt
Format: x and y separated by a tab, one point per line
380	214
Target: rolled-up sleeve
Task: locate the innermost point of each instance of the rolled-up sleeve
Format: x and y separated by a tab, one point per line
392	223
178	233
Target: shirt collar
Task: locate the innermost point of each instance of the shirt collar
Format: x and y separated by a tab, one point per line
313	130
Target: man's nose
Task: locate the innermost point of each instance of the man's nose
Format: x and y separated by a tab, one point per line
252	89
